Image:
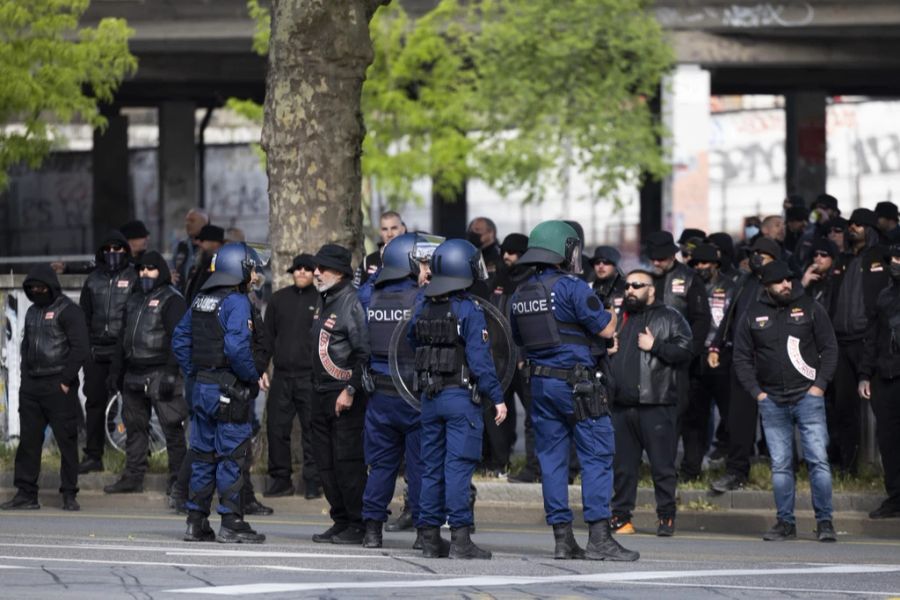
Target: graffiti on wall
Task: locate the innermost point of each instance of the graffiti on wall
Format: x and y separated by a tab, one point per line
739	16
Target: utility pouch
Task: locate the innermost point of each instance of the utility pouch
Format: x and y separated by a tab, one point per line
590	399
368	382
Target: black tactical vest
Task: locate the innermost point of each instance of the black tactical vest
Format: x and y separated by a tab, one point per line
532	308
48	345
676	284
385	311
109	293
146	340
440	353
208	343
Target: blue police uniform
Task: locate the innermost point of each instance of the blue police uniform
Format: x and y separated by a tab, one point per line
579	316
452	425
392	427
219	447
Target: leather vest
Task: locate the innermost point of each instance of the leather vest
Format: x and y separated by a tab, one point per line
208	347
109	293
720	294
385	311
146	340
440	353
676	284
532	308
48	345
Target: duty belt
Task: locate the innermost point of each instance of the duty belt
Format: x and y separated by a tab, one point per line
570	376
384	384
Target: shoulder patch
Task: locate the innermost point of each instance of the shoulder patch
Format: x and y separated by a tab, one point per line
593	302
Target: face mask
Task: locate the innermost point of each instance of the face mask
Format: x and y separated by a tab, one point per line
474	239
114	260
756	263
895	271
40	299
705	274
147	284
633	305
750	231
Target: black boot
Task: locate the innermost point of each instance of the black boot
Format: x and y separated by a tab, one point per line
433	545
235	530
198	529
373	537
126	485
602	545
418	544
403	522
462	546
566	546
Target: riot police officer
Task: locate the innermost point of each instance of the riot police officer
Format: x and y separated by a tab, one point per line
454	369
144	355
212	344
393	427
103	299
555	316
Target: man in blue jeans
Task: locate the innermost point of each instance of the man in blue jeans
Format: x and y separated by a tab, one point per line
785	354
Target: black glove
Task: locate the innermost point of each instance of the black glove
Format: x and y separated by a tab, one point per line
112	384
167	385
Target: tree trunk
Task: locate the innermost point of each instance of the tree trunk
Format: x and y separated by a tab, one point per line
313	129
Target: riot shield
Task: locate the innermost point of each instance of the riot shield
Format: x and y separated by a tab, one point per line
401	355
115	427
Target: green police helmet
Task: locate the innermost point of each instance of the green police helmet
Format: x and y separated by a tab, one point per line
553	243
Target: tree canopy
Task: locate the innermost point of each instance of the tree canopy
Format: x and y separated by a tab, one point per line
53	72
517	93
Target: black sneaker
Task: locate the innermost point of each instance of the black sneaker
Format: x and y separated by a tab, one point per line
279	488
255	507
782	530
825	532
235	530
666	527
326	536
351	536
125	485
89	464
198	529
526	475
885	511
70	503
21	502
727	483
313	491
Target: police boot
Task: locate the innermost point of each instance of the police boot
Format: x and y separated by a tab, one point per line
125	485
462	546
566	546
403	522
372	539
603	546
235	530
433	545
198	529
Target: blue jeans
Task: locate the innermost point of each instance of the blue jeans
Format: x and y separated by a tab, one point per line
779	420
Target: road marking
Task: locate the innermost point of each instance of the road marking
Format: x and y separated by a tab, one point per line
719	586
494	581
200	550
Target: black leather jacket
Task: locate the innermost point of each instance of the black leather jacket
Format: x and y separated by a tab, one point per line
340	339
881	353
663	371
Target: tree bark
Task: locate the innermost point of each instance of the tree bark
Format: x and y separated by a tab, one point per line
313	128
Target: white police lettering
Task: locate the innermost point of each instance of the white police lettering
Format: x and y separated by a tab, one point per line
392	315
793	348
525	307
205	303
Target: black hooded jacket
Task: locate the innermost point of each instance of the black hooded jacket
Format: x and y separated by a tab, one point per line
148	320
55	344
103	298
859	277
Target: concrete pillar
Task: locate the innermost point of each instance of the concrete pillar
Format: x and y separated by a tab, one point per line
177	162
112	188
685	109
805	144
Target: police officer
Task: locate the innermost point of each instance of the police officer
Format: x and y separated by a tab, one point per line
103	299
880	383
54	348
393	427
212	344
340	356
454	369
555	316
150	372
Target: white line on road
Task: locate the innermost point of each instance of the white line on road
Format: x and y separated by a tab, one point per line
494	581
201	550
758	588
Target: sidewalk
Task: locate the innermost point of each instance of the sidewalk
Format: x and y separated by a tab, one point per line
499	502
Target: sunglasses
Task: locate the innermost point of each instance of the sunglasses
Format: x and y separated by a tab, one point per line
821	254
636	285
837	230
603	261
112	249
779	281
147	268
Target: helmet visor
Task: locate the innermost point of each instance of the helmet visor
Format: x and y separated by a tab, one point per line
423	249
573	256
479	268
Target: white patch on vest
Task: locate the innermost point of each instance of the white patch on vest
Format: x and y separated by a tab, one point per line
793	348
49	316
677	286
154	302
332	369
876	267
123	283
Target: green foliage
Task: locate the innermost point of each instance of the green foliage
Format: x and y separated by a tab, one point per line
46	64
518	93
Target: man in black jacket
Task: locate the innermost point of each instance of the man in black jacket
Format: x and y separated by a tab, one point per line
649	373
880	383
287	323
144	356
103	299
209	240
819	277
610	282
784	356
341	353
54	348
863	274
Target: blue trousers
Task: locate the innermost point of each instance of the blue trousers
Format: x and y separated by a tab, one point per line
779	419
219	452
452	431
392	428
552	415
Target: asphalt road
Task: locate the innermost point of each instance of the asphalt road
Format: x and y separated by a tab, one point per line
118	549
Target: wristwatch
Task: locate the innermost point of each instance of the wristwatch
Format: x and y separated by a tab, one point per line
350	390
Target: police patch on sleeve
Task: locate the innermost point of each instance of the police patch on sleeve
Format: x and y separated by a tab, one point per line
593	302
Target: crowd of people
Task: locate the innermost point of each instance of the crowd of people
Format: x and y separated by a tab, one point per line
787	328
